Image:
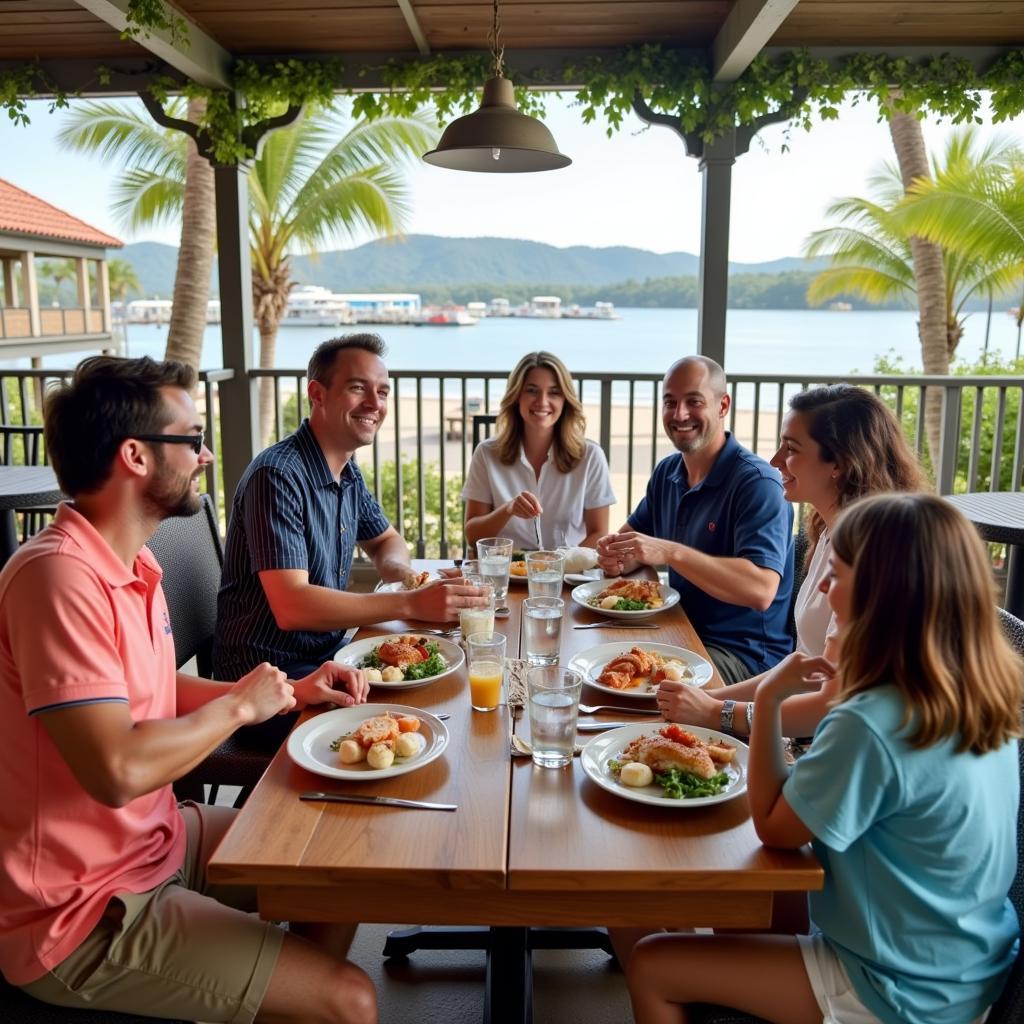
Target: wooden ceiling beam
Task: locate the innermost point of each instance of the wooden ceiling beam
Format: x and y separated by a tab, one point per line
202	59
415	28
747	29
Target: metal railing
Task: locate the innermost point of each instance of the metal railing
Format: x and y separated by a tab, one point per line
21	404
418	462
427	433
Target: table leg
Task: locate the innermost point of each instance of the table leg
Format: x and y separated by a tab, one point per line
508	996
8	535
1014	602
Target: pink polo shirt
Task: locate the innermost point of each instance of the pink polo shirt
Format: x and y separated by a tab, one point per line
76	627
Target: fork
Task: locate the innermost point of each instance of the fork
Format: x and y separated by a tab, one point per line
615	624
590	709
437	632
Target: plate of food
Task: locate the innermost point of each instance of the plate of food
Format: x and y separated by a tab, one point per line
670	766
412	581
517	567
623	598
368	741
586	576
402	661
638	670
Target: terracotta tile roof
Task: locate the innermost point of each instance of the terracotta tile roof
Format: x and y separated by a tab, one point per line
25	214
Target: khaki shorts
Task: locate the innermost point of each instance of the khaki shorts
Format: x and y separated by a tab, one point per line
185	949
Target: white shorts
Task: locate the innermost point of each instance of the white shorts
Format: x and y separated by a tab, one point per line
830	983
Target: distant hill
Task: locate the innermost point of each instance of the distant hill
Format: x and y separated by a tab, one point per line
425	262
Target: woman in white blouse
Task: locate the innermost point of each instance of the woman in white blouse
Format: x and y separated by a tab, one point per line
838	443
539	480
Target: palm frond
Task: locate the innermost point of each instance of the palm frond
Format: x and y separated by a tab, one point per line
866	281
117	132
144	198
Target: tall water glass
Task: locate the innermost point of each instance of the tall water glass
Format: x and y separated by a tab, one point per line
542	629
485	654
554	706
544	571
495	556
478	620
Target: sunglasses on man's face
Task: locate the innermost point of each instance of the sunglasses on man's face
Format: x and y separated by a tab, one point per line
195	440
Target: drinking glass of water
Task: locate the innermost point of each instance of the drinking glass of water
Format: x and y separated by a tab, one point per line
542	629
494	556
554	705
544	573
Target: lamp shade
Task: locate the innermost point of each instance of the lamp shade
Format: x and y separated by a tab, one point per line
496	138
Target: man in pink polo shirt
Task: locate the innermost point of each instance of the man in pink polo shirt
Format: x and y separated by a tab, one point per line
103	896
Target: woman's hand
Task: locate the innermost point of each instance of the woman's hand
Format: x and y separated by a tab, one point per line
689	705
796	673
525	506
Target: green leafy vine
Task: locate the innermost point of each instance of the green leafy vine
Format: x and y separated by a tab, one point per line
794	85
144	17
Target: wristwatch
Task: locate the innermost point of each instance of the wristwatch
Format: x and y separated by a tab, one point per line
725	718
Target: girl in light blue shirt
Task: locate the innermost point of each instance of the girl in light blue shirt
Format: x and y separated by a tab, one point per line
909	795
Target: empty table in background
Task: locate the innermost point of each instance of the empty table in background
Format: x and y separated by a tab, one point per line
999	517
23	487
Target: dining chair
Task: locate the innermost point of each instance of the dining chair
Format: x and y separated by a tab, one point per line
800	542
482	423
190	554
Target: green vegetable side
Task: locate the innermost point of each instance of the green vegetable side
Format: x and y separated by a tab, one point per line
680	785
434	665
624	604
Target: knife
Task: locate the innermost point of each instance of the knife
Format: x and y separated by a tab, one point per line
378	801
601	726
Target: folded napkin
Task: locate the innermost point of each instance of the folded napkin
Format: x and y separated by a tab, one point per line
578	559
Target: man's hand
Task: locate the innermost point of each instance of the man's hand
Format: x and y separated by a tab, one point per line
525	506
796	673
442	601
332	683
263	693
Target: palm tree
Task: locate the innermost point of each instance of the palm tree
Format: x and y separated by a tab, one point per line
876	254
57	271
314	183
122	280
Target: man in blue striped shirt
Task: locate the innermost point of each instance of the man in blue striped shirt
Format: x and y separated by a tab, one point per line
299	511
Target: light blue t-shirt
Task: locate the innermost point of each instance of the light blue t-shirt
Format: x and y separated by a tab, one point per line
919	851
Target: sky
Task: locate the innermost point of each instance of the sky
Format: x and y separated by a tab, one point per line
637	188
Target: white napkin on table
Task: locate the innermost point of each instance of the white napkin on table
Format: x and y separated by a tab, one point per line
578	559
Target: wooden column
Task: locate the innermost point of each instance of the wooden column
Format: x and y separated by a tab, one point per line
31	289
240	439
10	284
103	287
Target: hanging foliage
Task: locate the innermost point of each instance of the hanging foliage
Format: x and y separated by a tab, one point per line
794	84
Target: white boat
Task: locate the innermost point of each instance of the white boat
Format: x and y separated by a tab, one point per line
309	305
499	307
599	311
149	311
546	307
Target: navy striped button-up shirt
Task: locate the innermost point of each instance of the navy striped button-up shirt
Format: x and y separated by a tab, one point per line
288	513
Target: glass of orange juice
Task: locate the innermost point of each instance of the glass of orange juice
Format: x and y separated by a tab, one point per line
485	654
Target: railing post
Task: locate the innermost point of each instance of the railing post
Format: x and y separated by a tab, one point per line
949	439
606	418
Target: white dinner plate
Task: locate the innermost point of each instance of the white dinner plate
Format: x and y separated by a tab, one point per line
309	746
587	576
354	653
591	662
582	594
610	745
397	587
513	578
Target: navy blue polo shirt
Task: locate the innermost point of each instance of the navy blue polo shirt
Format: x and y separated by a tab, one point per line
288	513
737	511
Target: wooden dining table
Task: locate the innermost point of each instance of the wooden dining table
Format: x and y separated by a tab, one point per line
528	846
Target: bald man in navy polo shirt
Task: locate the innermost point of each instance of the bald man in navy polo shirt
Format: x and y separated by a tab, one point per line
716	516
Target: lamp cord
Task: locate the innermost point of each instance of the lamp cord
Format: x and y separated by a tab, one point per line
497	50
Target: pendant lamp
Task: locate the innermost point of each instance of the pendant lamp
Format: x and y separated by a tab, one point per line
496	138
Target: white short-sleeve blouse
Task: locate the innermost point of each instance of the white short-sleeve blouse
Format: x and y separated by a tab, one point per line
565	497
